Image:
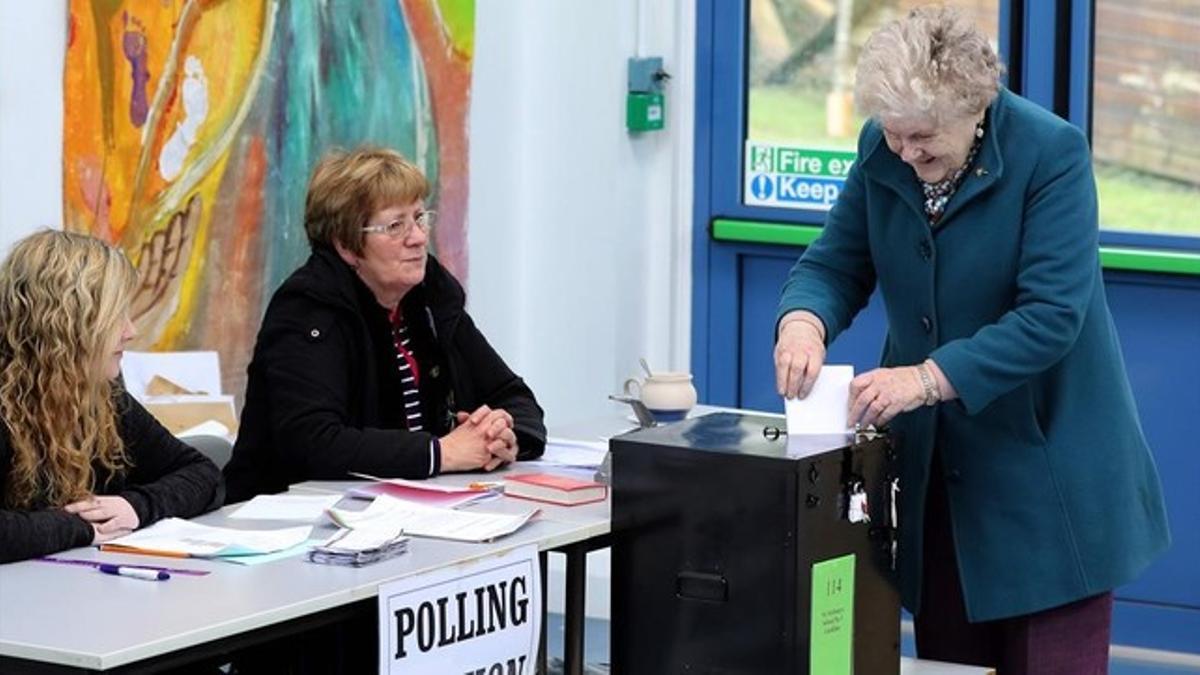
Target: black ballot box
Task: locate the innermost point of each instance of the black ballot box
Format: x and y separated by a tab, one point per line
734	552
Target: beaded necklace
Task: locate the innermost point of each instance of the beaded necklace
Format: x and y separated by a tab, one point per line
938	194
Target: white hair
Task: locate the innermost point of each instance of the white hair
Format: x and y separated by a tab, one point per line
933	64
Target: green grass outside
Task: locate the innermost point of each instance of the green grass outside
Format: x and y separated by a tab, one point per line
1135	201
1129	200
794	117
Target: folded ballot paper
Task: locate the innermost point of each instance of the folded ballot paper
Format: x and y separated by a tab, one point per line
176	537
824	410
181	389
390	515
359	547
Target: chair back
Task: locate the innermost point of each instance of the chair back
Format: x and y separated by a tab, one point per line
216	448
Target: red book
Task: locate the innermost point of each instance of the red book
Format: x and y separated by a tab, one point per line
554	489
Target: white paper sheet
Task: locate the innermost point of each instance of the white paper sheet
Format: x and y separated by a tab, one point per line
424	486
600	444
427	521
286	507
346	540
563	452
823	411
194	371
261	559
179	536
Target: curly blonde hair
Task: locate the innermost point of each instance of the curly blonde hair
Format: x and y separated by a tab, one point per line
62	298
934	64
347	188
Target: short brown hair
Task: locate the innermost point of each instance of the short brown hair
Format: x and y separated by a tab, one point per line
347	188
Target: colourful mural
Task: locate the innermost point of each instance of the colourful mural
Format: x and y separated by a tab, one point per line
191	127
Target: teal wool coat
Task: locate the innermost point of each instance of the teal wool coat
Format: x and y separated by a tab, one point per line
1053	493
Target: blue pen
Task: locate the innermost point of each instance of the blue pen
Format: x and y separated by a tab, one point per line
134	572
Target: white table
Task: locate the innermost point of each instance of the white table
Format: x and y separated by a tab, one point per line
77	618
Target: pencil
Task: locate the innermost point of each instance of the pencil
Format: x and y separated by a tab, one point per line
119	548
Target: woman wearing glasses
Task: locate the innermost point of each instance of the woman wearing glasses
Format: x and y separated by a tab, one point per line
367	360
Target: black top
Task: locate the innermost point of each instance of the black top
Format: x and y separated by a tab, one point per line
324	396
167	479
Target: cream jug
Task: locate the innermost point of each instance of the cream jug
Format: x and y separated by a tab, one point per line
668	396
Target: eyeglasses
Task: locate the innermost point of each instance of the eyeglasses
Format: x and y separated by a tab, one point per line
400	229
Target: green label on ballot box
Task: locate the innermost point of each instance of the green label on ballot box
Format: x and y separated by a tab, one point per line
831	633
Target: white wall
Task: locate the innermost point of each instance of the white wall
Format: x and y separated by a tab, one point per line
579	232
32	48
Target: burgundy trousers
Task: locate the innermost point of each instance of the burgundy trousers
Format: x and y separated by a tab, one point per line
1071	639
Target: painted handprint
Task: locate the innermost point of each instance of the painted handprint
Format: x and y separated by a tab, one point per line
160	262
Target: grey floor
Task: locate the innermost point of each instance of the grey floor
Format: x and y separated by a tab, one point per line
596	651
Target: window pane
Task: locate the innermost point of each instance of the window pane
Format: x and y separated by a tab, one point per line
800	69
1146	115
801	73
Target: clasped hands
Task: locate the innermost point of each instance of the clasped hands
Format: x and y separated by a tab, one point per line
109	516
483	439
876	396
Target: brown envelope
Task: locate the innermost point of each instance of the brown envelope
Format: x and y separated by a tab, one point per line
161	386
179	415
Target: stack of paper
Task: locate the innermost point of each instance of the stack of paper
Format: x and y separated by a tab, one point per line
390	514
418	492
181	538
359	547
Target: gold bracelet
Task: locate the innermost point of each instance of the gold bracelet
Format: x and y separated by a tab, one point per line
932	395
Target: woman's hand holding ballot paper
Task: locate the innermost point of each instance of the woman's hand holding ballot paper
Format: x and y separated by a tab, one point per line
823	410
838	401
873	398
799	353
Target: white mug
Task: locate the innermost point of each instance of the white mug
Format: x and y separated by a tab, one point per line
668	396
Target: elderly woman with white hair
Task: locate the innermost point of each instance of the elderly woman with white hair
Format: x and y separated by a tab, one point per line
1028	491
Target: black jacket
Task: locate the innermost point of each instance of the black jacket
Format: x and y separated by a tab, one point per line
167	479
323	397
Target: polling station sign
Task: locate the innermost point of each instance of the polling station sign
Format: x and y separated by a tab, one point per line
794	178
480	618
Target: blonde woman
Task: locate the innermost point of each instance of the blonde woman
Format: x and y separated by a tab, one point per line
1028	491
81	462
